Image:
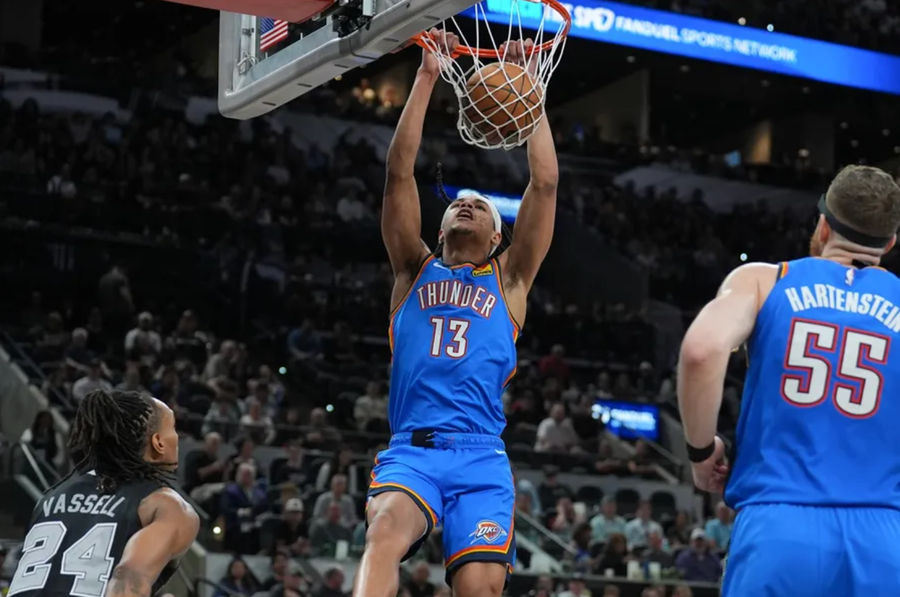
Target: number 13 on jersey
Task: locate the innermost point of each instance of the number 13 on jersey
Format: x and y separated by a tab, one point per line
454	329
858	378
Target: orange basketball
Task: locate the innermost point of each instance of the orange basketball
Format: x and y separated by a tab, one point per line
503	100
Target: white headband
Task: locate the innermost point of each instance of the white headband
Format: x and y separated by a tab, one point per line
495	213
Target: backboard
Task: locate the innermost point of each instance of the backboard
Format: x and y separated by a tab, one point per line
346	35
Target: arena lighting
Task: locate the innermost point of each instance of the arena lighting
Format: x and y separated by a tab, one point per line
770	27
282	370
803	152
329	408
844	125
217	530
742	21
743	257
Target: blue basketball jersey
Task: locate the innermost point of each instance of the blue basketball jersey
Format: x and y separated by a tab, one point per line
453	344
818	421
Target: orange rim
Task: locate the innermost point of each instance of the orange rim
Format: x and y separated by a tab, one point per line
463	50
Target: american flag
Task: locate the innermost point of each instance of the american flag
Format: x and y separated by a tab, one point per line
271	31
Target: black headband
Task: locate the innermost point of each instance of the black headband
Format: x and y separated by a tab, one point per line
851	234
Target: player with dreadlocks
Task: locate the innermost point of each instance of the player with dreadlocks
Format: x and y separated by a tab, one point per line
115	526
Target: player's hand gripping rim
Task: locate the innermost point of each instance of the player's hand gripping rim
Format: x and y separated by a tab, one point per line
710	475
446	43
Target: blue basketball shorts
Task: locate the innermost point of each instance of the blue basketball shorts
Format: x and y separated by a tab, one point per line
462	482
810	551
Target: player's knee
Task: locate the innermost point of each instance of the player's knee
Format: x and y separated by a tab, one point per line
388	535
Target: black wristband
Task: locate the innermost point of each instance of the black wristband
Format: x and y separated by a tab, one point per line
700	454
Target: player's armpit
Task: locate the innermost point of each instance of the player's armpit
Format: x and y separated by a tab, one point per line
533	230
170	528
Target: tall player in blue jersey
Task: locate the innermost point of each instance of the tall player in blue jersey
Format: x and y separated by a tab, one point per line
455	316
815	476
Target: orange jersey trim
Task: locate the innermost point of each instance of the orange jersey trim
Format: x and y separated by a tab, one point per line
375	485
488	548
516	327
782	271
402	302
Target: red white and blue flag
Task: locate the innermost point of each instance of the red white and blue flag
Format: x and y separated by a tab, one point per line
271	32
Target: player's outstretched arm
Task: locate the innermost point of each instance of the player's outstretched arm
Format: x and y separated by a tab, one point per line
533	230
171	528
401	217
721	326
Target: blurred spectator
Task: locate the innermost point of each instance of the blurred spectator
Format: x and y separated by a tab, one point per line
221	364
582	561
577	588
131	381
680	530
61	184
550	489
526	488
554	364
293	531
696	562
293	468
222	417
116	303
242	503
641	462
337	494
52	338
555	433
187	342
332	583
287	426
304	343
45	440
610	591
418	585
322	434
340	463
656	551
607	463
613	556
277	568
293	583
77	354
566	519
5	575
370	409
143	340
238	580
607	521
718	529
682	591
245	449
256	424
651	592
638	529
91	382
204	469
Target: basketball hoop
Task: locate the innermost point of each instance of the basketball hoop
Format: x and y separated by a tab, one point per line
479	71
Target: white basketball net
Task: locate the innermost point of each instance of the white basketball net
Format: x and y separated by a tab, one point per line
522	105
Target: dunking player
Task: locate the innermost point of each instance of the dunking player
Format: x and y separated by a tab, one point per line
455	316
114	526
816	476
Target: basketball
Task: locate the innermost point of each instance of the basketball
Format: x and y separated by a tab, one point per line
504	101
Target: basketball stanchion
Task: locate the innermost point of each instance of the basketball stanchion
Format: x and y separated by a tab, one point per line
501	87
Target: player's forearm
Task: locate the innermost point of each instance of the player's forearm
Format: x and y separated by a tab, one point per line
401	156
542	163
127	582
701	376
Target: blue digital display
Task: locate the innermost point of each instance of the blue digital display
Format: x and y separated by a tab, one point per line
507	205
627	419
716	41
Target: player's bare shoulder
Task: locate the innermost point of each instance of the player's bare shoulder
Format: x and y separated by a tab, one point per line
759	275
166	503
